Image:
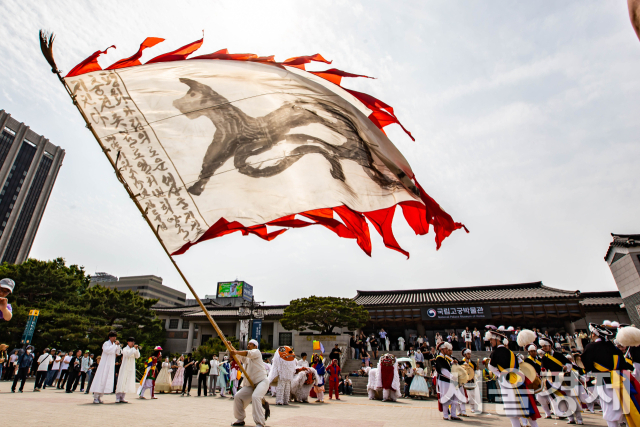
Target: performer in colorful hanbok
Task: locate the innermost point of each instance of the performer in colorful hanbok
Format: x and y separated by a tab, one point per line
224	375
178	378
102	380
534	360
163	382
615	383
127	375
448	395
470	387
150	374
564	402
419	387
518	400
318	364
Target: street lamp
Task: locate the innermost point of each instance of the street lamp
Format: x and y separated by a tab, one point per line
252	310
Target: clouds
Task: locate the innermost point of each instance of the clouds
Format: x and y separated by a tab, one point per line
524	115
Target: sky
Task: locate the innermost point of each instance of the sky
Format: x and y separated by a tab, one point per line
524	114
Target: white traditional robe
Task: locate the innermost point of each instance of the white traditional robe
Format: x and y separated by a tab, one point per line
103	378
127	376
401	343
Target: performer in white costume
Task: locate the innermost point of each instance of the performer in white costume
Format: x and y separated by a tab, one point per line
127	376
103	378
448	395
283	368
372	385
518	401
388	378
303	381
471	387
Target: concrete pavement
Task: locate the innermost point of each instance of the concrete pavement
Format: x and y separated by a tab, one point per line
57	408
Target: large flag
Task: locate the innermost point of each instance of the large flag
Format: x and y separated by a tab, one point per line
222	142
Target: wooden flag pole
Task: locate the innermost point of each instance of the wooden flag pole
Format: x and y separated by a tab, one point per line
46	46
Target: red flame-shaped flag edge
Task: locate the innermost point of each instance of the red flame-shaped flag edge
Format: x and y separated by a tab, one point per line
354	226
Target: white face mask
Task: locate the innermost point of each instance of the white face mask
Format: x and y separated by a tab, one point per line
28	351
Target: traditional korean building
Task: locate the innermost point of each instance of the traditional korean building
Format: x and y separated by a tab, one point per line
410	312
528	305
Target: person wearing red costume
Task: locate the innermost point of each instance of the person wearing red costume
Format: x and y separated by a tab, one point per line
334	378
388	378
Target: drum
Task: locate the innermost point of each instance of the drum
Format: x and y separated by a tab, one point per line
529	371
460	373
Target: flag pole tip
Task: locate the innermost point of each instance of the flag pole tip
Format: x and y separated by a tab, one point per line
46	45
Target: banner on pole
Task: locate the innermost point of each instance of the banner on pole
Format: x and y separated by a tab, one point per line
30	328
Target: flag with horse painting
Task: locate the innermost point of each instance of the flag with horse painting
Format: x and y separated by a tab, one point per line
219	143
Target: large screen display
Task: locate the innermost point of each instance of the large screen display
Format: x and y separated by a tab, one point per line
235	289
230	289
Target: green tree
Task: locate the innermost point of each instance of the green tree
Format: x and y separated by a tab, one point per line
211	347
127	313
72	315
54	289
323	314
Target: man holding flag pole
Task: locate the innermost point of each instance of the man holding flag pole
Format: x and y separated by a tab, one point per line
254	368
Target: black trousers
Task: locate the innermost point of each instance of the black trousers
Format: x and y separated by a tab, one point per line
83	377
8	372
40	377
63	378
187	379
202	381
72	380
21	375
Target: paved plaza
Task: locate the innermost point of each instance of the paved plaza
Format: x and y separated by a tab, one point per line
55	407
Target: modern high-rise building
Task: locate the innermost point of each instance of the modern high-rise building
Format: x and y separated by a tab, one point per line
29	166
147	286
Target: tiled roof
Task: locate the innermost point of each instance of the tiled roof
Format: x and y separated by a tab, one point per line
476	294
601	298
624	241
269	311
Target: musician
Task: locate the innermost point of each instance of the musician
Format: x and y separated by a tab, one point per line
490	379
587	395
518	402
447	389
470	388
534	361
562	401
602	356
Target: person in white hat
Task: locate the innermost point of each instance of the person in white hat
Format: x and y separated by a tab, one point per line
564	402
599	358
517	400
448	393
253	366
534	361
471	388
6	288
